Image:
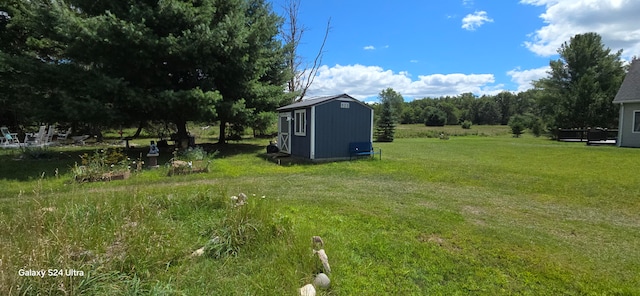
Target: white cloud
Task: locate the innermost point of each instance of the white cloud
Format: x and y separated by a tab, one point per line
369	47
524	78
467	3
473	21
363	82
413	61
614	20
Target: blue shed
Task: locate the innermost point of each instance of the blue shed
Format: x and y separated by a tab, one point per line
321	129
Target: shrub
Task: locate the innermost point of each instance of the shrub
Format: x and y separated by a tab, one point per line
517	123
536	125
196	153
466	124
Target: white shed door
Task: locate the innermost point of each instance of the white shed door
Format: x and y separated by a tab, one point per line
284	131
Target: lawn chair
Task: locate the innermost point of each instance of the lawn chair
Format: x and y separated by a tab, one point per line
8	139
64	136
37	138
48	140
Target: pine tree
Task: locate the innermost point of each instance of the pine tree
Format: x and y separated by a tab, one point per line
386	125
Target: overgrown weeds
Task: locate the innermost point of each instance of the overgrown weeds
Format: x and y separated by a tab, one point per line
247	222
38	152
103	164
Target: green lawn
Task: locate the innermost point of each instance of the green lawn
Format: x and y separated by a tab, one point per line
469	215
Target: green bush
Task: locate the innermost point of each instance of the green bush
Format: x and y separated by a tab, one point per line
517	123
466	124
536	125
197	153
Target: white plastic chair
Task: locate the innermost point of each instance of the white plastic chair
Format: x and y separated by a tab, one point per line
48	140
64	136
9	139
37	138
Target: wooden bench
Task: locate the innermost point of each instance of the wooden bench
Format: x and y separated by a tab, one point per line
362	149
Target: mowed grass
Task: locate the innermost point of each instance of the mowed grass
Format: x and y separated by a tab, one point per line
469	215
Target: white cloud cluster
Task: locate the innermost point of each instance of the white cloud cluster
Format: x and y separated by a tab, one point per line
524	78
474	20
615	20
369	47
364	82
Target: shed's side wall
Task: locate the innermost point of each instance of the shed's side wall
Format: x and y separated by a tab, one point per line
626	136
301	145
337	127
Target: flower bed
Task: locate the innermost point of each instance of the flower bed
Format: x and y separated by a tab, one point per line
102	165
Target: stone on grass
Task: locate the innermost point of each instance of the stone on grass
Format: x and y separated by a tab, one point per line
198	252
239	200
322	281
308	290
325	260
317	242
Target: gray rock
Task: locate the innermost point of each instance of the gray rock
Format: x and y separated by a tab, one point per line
308	290
322	281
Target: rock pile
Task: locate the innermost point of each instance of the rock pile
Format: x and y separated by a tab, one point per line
321	280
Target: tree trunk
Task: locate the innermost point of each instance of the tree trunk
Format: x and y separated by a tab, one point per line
140	127
182	130
223	135
182	136
99	136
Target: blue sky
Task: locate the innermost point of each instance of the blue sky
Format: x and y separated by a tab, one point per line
434	48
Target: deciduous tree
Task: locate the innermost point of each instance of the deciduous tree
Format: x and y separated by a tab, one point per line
582	84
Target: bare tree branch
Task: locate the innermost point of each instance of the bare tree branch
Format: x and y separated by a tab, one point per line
292	36
301	79
316	63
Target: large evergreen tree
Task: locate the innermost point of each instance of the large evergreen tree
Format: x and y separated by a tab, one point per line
253	78
123	61
582	84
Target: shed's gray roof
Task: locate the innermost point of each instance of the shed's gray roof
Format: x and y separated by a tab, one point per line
630	89
317	101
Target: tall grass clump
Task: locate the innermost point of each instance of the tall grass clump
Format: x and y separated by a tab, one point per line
247	223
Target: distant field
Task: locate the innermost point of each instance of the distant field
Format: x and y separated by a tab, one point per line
477	215
422	131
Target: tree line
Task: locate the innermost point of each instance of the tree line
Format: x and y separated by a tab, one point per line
577	93
104	64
